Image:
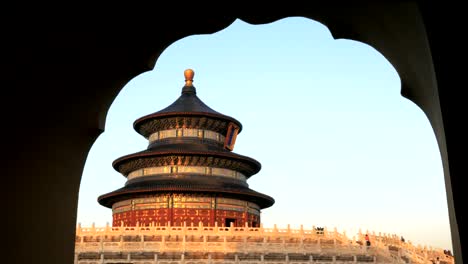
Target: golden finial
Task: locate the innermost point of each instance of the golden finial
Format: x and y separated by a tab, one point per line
189	73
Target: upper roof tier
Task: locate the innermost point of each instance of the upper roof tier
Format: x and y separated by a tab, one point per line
187	111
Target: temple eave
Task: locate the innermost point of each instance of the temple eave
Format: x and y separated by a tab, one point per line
147	158
264	201
140	123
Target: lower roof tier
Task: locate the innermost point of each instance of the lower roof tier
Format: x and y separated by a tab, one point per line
140	189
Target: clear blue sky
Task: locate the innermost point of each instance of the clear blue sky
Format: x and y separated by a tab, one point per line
339	146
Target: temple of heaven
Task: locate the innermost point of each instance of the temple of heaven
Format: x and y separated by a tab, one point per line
188	174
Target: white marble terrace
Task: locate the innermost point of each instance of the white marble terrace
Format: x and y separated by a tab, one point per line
202	244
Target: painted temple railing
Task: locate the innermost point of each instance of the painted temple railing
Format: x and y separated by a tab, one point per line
316	243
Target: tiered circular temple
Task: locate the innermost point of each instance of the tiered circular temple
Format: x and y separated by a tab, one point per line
188	174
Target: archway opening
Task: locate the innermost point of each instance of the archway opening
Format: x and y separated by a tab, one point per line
338	144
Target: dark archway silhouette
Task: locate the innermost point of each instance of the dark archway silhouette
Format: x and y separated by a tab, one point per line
53	76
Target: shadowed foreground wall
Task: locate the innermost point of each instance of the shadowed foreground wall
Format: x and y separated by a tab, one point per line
59	83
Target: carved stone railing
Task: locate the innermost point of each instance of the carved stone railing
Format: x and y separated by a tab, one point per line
244	241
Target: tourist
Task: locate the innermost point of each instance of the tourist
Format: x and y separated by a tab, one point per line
367	240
